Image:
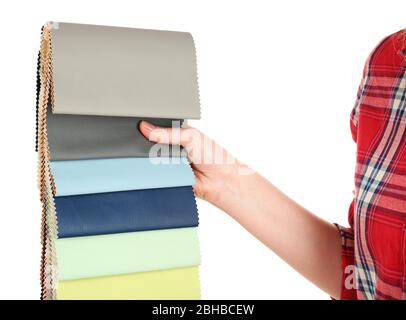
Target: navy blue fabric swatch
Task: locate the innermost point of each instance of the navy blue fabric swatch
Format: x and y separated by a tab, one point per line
127	211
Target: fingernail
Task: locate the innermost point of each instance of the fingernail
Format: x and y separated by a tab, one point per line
147	126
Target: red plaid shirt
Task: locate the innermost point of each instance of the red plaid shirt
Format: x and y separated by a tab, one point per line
374	247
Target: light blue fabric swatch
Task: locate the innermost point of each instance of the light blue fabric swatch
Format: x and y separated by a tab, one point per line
76	177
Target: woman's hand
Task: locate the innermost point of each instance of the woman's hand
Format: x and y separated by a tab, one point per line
215	169
309	244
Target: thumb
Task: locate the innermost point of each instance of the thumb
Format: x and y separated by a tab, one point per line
166	135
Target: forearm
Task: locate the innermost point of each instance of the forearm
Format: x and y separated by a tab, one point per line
309	244
306	242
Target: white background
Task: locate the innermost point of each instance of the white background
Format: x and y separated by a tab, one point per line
277	84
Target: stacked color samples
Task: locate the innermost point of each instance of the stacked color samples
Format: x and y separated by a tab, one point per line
119	215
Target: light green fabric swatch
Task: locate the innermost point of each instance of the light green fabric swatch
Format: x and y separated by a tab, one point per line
114	254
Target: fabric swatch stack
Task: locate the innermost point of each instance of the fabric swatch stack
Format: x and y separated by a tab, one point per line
119	215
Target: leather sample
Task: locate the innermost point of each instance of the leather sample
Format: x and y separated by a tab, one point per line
181	283
75	137
109	175
126	211
99	229
112	71
113	254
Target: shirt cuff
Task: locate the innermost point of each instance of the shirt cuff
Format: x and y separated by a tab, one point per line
348	279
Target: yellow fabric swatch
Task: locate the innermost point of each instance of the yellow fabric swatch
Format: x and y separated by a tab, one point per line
181	283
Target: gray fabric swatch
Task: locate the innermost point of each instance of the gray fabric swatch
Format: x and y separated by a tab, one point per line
74	137
113	71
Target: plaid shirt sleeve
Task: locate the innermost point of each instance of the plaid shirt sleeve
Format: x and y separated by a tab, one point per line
348	291
374	246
